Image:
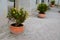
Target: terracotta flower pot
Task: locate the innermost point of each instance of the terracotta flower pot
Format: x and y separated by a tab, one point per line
52	5
41	15
15	29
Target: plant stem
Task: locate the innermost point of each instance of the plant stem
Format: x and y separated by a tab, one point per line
14	3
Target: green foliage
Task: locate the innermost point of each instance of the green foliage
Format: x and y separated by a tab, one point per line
18	15
11	0
53	2
42	7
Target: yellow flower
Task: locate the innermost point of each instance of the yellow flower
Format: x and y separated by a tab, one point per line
19	13
14	12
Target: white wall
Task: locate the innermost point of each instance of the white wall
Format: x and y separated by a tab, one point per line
58	2
23	4
26	4
3	12
32	4
46	1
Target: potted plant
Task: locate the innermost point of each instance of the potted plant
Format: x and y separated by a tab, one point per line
42	8
19	16
52	3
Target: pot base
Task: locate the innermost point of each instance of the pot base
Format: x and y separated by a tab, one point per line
52	5
16	30
41	15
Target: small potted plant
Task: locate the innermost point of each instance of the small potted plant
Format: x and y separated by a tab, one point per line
19	17
52	3
42	8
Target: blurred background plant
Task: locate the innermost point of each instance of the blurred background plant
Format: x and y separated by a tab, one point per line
42	7
52	2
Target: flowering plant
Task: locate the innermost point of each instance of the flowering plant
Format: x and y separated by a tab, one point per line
18	15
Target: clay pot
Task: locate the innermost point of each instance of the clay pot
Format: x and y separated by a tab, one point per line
52	5
16	29
41	15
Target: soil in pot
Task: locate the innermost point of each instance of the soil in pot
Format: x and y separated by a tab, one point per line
16	29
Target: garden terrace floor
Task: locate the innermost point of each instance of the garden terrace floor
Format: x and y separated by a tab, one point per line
36	28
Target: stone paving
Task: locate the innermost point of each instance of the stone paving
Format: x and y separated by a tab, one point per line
36	28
